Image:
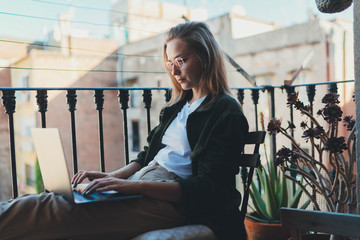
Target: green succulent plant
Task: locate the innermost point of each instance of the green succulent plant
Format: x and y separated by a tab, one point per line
39	185
271	194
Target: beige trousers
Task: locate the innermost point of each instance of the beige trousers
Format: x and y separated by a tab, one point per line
50	216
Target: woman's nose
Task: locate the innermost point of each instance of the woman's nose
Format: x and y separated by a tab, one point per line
175	70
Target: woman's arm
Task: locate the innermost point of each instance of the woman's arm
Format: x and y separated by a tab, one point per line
126	171
166	191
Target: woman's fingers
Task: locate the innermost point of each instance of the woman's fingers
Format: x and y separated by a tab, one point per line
91	175
109	183
95	184
78	178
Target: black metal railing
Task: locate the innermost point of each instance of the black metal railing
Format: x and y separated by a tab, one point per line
250	107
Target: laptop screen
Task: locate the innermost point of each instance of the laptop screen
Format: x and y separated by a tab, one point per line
52	161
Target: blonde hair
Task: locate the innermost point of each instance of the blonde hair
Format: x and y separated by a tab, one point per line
202	42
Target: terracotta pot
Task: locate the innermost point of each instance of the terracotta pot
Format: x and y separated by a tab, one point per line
265	231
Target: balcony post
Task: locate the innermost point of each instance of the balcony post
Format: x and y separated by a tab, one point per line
310	91
270	89
99	102
255	98
333	88
9	102
240	96
289	91
42	102
147	98
124	103
71	101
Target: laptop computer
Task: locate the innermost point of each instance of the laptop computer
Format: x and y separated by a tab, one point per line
55	173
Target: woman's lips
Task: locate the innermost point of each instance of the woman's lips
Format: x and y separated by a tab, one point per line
181	80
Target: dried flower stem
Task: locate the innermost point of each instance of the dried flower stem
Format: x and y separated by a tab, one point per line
337	187
313	200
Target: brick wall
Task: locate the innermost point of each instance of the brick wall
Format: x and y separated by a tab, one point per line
87	121
5	176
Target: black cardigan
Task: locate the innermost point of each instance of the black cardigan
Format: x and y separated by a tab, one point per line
216	137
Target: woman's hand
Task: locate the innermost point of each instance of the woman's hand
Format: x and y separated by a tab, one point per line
166	191
112	183
91	175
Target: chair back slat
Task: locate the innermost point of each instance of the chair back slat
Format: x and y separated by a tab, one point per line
250	161
255	137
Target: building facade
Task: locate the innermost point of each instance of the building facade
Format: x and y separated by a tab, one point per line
271	55
67	61
9	53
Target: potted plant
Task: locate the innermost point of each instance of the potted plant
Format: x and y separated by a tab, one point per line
328	172
270	194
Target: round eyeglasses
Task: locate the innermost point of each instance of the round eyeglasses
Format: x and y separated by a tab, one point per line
178	62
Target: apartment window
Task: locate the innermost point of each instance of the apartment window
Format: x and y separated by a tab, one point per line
135	136
264	79
135	95
24	82
26	123
135	98
30	175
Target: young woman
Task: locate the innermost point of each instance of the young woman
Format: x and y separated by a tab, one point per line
186	173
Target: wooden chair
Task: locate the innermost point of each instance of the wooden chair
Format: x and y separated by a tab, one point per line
340	224
201	232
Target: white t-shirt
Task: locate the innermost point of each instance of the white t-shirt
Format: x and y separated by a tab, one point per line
175	156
